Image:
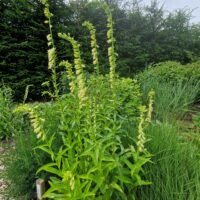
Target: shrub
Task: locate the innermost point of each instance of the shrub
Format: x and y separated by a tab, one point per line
127	94
7	122
172	72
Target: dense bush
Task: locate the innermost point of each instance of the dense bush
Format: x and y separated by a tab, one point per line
172	72
127	94
7	122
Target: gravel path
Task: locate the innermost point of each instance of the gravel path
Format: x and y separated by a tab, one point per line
4	149
3	184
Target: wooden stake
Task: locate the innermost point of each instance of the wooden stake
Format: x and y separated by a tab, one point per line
40	187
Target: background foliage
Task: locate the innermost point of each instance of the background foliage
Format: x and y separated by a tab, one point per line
144	35
176	87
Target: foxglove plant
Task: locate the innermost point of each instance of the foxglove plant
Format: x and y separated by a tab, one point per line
92	162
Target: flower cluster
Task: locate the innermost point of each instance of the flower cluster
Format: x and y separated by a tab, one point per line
94	45
111	42
82	89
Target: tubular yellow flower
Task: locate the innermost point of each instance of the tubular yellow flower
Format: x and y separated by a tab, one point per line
94	45
70	75
141	135
150	106
52	51
36	121
82	90
111	42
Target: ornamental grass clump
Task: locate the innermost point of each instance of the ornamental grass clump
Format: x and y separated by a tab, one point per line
92	161
176	87
175	171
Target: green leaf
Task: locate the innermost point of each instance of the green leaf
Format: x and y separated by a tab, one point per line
87	177
117	187
49	168
46	149
59	156
124	179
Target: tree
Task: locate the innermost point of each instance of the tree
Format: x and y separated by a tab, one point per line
23	58
178	37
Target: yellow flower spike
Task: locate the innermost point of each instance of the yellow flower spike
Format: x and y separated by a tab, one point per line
52	58
82	90
94	45
36	121
70	75
141	135
72	183
52	51
150	106
111	42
